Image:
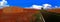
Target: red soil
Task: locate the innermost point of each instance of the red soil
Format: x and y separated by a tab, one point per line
24	16
57	10
1	11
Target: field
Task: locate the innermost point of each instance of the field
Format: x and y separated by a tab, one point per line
16	14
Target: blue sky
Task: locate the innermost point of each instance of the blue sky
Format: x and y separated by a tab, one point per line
27	3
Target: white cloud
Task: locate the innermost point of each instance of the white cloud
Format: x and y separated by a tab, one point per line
3	4
45	6
36	7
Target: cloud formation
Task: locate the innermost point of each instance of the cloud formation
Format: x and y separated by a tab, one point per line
3	4
44	6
